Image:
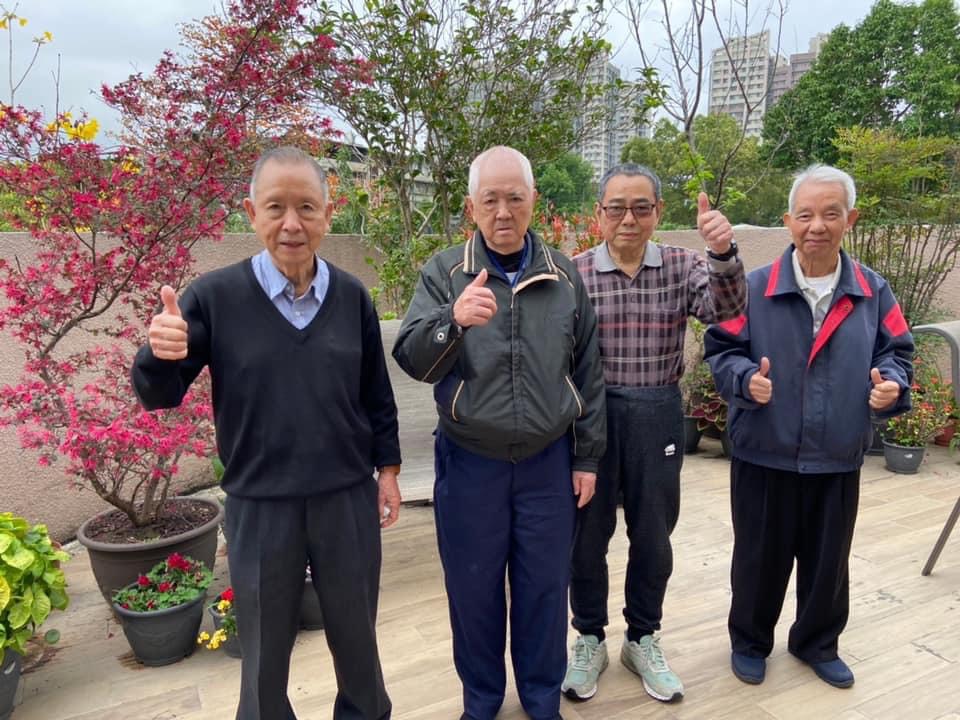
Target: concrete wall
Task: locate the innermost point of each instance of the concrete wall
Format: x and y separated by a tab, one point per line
43	495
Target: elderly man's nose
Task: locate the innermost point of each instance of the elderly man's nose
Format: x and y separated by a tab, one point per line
291	221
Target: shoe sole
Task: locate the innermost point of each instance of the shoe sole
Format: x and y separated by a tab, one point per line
834	683
748	679
574	695
655	695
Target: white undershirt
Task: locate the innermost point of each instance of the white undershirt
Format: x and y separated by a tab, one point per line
817	291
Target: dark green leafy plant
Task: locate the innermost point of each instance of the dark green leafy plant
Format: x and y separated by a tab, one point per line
171	582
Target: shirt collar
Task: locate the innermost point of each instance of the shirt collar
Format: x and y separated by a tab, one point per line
276	283
603	261
802	281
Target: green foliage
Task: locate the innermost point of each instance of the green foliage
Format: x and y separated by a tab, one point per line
725	165
698	391
171	582
909	201
352	200
566	183
898	68
31	581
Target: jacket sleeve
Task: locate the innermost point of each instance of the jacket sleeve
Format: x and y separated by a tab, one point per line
716	290
893	350
727	350
590	429
163	383
376	391
428	344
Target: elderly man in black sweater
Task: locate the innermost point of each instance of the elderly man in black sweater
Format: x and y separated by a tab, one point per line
304	413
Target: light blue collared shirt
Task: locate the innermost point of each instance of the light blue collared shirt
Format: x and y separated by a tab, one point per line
299	311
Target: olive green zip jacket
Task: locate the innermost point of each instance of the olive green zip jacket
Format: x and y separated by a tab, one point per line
508	389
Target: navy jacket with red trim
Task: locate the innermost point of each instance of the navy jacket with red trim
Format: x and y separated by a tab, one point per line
818	418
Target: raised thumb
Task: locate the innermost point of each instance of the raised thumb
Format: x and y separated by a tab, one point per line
169	298
703	203
764	367
481	279
875	376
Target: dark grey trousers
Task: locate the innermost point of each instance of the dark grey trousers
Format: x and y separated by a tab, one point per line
269	543
643	460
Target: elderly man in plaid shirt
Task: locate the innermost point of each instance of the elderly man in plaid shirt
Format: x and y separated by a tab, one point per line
643	293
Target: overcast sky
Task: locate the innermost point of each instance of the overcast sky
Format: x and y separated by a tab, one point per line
106	40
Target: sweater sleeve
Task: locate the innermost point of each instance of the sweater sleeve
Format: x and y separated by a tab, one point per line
162	384
376	392
893	350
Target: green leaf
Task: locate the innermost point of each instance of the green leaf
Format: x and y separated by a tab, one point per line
19	615
4	593
51	637
21	558
41	607
6	539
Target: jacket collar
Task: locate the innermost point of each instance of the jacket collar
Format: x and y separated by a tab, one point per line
540	265
782	279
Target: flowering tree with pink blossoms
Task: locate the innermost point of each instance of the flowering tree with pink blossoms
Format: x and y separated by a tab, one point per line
111	225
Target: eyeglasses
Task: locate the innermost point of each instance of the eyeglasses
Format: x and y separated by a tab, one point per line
617	212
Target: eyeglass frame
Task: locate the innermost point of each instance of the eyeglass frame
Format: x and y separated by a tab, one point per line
632	208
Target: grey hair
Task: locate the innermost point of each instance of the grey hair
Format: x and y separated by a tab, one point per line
473	183
822	174
290	155
630	170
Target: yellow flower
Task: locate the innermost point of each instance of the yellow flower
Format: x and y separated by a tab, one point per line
3	24
203	637
47	37
130	166
223	606
22	21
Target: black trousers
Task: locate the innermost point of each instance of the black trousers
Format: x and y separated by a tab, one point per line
643	460
269	543
779	516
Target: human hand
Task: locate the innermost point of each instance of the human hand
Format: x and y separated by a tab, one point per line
388	496
713	225
584	486
168	330
760	387
476	304
884	392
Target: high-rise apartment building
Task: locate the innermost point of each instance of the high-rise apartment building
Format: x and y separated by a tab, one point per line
765	77
601	143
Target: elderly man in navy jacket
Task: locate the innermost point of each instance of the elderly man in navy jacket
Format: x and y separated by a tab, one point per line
822	346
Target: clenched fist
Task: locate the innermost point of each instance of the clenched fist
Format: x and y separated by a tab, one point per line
713	225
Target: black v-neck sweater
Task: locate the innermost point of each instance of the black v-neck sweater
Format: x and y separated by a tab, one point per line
297	412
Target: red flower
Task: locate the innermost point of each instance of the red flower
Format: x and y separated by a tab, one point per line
227	594
164	587
176	562
143	581
150	604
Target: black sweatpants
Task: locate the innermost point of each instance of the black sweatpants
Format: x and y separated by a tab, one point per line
268	545
643	460
779	516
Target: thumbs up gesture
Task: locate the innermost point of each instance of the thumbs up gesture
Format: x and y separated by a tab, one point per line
476	304
884	392
760	386
713	225
168	330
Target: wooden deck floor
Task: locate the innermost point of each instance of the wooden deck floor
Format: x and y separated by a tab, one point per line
903	639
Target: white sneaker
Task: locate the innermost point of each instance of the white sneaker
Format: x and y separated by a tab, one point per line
646	659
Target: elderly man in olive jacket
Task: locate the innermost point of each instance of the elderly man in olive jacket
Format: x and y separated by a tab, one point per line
504	329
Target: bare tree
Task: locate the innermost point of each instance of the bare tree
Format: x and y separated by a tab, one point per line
681	61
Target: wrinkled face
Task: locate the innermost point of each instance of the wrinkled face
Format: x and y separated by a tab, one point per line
636	225
503	203
818	222
290	214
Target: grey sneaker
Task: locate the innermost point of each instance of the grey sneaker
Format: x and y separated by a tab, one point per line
645	658
588	661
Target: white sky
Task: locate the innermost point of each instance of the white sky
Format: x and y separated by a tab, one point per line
107	40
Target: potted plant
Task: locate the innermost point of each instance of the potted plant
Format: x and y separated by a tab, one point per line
908	434
696	382
224	616
161	611
109	226
31	586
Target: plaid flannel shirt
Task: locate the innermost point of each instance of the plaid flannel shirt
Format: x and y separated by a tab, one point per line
642	320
